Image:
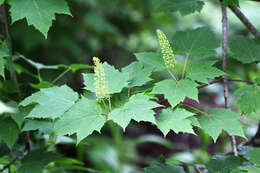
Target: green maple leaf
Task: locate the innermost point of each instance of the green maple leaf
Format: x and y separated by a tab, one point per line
223	164
231	2
165	167
254	156
184	6
250	169
221	119
245	50
9	131
151	60
201	71
176	92
115	80
20	115
137	74
83	118
38	13
248	98
36	161
194	121
138	108
51	102
176	120
198	42
44	126
4	52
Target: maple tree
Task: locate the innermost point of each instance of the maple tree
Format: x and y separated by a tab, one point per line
116	97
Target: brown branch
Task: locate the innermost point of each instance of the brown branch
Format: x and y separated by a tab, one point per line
224	67
4	26
220	80
245	21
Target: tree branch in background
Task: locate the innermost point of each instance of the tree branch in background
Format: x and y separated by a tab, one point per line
245	21
224	67
4	26
233	80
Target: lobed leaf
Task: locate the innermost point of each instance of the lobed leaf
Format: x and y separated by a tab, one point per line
185	7
165	167
151	60
36	161
221	119
248	98
245	50
115	80
39	13
9	131
223	164
83	118
137	75
201	71
138	108
176	92
198	42
51	102
176	120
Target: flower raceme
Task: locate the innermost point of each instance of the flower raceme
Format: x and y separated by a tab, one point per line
100	80
166	49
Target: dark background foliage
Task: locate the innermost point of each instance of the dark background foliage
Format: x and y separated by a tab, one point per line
114	31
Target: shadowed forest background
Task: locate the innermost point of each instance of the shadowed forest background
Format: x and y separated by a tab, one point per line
114	30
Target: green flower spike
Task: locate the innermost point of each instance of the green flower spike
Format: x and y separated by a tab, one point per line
166	49
100	81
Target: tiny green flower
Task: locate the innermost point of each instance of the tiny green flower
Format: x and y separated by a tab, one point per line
100	80
166	49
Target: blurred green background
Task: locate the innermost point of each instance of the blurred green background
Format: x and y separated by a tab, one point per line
114	30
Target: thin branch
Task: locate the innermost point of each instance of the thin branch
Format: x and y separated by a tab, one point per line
245	21
224	67
109	104
61	75
129	92
220	80
195	109
3	19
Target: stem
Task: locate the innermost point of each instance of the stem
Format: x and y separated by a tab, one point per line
185	65
224	67
129	92
51	142
102	100
60	76
245	21
109	103
172	75
39	74
197	110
